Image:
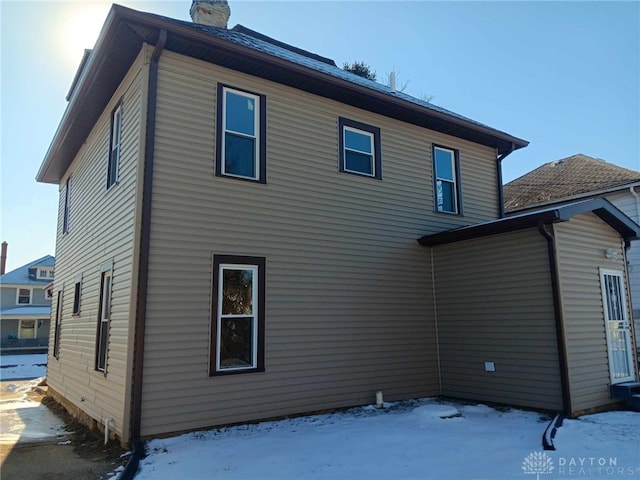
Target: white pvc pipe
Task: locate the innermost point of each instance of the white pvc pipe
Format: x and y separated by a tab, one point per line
379	400
107	421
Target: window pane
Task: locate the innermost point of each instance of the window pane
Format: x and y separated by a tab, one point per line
357	141
102	345
239	156
446	196
106	298
444	164
237	292
236	337
24	296
28	329
240	114
358	162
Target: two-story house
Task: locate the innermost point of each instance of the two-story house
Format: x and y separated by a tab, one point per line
238	240
25	307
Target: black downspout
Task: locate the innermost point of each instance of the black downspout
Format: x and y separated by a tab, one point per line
499	160
143	264
555	287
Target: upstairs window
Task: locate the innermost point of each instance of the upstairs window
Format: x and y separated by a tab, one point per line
65	214
238	315
23	296
359	146
446	171
115	140
45	273
241	135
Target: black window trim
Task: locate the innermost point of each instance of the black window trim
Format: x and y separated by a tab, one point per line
375	131
259	262
262	132
458	190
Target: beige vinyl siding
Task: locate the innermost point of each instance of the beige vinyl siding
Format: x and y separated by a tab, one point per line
101	229
627	203
578	265
495	304
348	303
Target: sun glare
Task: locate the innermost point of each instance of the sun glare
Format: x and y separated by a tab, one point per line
78	29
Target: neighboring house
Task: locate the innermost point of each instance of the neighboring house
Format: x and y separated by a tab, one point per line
580	177
237	240
25	307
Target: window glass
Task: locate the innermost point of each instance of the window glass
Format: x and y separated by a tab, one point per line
237	292
446	196
359	148
358	162
28	329
236	342
239	303
358	141
444	164
240	155
24	296
240	114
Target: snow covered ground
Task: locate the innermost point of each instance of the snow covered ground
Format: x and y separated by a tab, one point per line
419	439
23	366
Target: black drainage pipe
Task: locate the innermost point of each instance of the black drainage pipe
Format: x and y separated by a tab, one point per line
550	432
132	467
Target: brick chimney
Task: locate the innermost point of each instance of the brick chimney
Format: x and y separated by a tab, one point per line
215	13
3	258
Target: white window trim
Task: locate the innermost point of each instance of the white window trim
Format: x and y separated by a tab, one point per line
456	209
254	315
44	273
18	296
371	154
256	136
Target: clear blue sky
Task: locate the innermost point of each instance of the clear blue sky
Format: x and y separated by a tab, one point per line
563	75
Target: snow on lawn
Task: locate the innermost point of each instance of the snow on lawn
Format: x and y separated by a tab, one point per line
418	439
23	366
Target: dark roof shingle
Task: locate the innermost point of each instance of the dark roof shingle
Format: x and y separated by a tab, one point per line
565	178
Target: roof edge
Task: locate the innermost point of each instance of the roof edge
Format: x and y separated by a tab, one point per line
605	210
573	198
119	15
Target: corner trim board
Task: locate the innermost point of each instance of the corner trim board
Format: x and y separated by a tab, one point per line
143	267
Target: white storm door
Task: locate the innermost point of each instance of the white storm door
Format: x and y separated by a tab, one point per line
617	326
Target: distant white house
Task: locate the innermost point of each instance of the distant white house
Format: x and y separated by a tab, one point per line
25	305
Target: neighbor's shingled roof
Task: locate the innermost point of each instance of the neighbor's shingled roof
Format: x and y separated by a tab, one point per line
566	178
